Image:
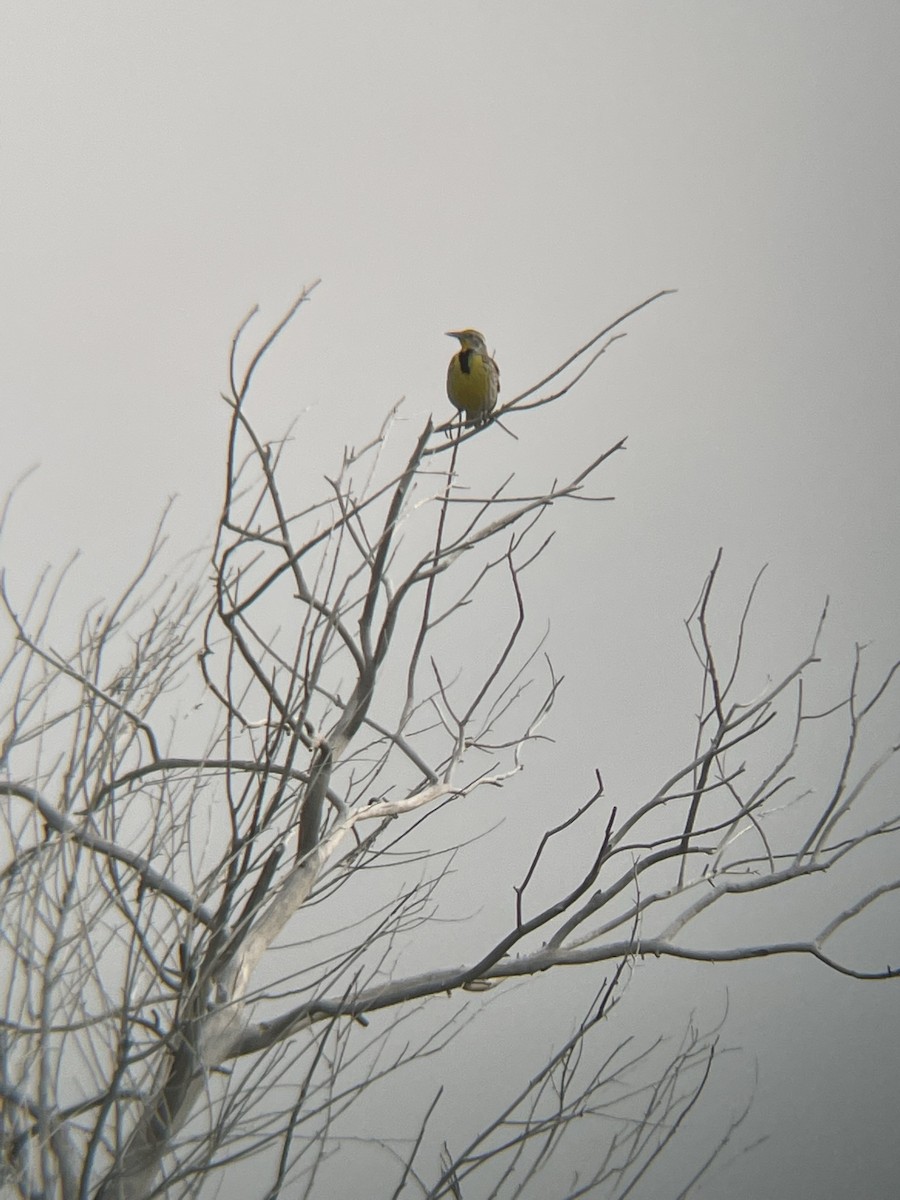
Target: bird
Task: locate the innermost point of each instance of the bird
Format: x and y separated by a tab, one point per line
473	378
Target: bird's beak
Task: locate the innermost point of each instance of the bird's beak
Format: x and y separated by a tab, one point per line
458	336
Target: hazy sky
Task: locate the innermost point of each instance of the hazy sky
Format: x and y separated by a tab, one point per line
532	169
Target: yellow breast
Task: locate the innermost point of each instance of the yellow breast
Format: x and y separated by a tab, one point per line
473	383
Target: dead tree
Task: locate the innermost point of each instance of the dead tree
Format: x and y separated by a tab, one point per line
202	905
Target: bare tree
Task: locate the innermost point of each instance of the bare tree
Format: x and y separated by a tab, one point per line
202	907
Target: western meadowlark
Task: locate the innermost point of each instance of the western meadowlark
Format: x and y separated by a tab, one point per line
473	379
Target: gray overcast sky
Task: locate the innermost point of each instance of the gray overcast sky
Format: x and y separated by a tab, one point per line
532	169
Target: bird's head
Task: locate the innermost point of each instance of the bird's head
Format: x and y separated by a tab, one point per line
470	339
